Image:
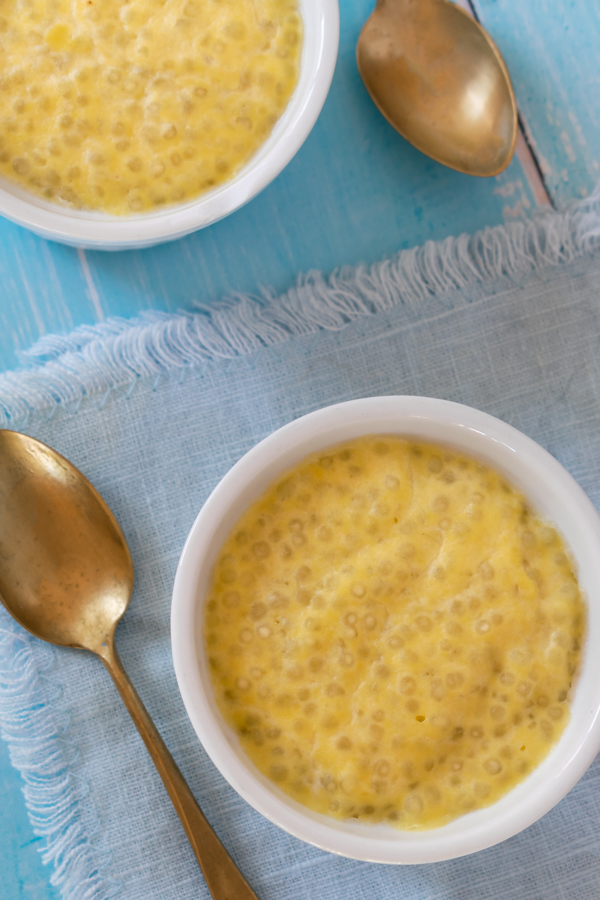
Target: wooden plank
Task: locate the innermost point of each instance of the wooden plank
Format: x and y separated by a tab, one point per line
551	50
355	192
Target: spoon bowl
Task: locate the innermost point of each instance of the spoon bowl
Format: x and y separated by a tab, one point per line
439	79
66	575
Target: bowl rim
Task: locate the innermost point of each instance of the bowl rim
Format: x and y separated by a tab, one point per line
529	467
91	229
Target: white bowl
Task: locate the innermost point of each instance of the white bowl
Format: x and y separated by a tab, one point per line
551	491
100	231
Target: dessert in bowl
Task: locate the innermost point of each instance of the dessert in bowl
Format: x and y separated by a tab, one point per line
127	124
360	829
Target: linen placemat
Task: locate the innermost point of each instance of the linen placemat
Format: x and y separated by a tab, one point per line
155	411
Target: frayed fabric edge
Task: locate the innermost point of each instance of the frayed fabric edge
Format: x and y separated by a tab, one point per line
52	796
95	359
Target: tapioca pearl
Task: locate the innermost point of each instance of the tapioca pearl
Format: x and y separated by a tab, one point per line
264	631
546	728
228	576
302	573
437	690
257	611
396	642
273	733
347	660
359	590
243	684
231	599
556	713
482	626
324	533
329	722
454	680
524	689
423	623
245	635
408	685
303	596
344	743
261	549
370	622
135	203
315	664
492	766
21	166
434	464
277	600
334	690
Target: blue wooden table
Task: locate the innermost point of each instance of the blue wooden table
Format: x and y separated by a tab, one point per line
355	192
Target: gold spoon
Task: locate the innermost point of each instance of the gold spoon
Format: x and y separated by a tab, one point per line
66	576
439	79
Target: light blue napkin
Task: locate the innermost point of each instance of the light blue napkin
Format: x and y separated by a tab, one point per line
154	412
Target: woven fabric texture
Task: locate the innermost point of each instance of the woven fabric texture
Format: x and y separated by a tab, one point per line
523	348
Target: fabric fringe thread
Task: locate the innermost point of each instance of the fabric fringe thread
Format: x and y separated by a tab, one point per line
94	360
36	749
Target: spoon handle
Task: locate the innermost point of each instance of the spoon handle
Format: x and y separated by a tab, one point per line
224	879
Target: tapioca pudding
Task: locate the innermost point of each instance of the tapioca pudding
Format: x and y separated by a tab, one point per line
394	633
126	106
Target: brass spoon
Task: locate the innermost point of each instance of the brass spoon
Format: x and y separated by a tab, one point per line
66	576
439	79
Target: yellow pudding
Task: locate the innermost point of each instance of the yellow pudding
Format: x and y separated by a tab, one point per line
393	633
127	106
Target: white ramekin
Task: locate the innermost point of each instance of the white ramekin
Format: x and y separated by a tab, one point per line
551	491
99	231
